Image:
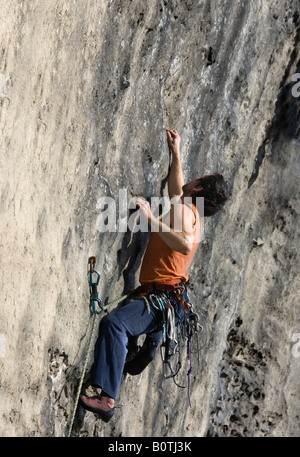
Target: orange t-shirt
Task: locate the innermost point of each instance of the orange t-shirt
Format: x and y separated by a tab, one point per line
163	265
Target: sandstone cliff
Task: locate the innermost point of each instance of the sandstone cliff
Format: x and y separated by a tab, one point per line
86	91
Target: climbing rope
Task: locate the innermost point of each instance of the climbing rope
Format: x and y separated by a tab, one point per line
95	301
82	375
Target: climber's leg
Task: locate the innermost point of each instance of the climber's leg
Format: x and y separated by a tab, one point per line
145	355
110	350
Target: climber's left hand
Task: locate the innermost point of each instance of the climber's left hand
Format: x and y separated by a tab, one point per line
144	208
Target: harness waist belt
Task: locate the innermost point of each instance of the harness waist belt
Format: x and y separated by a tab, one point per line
151	287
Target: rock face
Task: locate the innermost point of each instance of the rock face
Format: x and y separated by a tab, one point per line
86	91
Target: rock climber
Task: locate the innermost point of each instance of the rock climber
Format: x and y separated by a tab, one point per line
173	241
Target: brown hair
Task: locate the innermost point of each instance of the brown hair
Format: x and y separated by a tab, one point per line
214	191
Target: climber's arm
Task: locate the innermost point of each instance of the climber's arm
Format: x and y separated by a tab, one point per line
177	230
175	178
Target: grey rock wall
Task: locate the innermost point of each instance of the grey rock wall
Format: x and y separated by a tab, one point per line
86	91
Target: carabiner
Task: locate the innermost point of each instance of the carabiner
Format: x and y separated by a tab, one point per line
96	300
96	282
192	321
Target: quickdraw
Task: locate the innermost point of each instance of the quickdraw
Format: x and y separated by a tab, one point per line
193	327
93	284
170	348
170	345
170	342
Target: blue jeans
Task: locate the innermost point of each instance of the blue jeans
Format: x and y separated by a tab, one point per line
130	320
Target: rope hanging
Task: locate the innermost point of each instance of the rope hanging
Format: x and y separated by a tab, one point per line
94	302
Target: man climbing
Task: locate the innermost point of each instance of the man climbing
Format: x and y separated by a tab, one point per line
173	242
